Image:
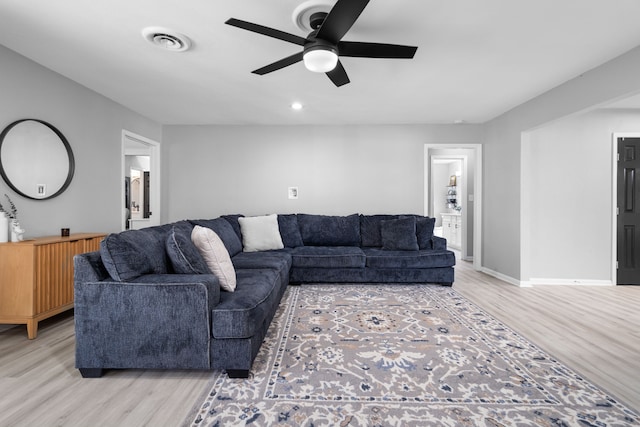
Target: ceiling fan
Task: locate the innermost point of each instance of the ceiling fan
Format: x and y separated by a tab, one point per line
323	46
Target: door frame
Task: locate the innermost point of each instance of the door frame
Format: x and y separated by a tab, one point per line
477	192
461	195
152	149
614	197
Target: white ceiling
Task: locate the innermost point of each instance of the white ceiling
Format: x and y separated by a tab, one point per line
476	58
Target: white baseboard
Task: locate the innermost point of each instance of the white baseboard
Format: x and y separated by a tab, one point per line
545	281
564	282
505	278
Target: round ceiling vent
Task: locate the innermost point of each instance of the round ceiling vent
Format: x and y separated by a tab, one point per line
302	14
166	39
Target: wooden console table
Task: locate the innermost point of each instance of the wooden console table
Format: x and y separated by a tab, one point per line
36	277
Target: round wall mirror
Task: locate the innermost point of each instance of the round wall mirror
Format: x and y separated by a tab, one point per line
36	160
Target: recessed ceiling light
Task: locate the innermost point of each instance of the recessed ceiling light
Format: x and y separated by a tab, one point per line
166	39
296	106
459	121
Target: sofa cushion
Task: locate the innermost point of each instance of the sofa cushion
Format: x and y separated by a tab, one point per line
185	258
424	231
399	234
260	233
328	257
379	258
290	231
370	229
266	259
215	255
327	230
241	314
224	230
132	253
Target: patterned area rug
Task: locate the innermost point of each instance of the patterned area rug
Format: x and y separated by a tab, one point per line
401	355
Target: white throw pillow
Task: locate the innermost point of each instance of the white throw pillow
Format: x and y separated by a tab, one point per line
260	233
215	255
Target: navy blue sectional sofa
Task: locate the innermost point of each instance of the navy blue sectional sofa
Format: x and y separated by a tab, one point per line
146	300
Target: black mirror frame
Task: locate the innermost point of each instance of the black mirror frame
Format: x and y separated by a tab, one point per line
72	163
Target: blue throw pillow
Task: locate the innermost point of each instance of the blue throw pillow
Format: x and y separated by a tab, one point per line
424	231
289	231
233	220
370	229
124	255
399	234
183	254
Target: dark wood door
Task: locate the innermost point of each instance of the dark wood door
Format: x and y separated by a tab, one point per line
628	251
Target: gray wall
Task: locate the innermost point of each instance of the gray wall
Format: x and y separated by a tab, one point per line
503	248
568	180
212	170
93	126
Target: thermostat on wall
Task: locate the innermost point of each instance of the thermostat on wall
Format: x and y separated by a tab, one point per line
293	192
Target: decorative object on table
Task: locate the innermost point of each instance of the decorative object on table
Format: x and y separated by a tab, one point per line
17	232
14	230
65	232
4	226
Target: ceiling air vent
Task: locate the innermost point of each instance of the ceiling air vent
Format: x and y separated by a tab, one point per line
166	39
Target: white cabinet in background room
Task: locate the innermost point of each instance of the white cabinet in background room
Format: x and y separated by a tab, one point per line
452	229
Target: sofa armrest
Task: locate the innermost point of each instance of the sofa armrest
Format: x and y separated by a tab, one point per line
157	322
438	243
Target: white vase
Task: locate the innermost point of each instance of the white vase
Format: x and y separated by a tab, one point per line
4	228
16	231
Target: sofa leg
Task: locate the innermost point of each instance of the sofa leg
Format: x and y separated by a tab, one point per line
91	372
238	373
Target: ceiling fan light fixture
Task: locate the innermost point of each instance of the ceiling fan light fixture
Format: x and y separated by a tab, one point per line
321	59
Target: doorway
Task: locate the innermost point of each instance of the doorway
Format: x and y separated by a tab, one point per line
627	233
468	189
141	181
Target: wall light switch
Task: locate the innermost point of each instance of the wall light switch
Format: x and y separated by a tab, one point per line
471	197
293	192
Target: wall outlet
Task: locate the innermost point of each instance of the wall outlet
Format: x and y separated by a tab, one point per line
293	192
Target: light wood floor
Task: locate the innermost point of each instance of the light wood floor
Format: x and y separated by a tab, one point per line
594	330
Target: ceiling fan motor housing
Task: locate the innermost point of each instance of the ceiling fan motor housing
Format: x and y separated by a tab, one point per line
316	19
313	43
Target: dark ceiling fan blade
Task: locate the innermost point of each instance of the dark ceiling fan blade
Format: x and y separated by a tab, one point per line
338	75
266	31
340	19
285	62
376	50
